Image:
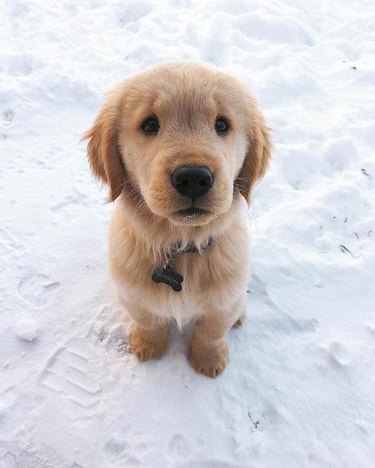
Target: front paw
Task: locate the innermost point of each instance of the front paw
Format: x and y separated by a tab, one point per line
209	360
148	344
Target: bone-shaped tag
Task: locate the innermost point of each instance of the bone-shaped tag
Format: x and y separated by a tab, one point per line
168	277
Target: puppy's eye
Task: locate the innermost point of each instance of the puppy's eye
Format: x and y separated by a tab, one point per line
221	126
150	126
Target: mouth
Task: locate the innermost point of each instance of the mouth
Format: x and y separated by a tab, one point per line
191	215
192	212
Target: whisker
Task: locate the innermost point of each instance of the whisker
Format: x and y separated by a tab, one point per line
123	184
132	192
246	179
241	187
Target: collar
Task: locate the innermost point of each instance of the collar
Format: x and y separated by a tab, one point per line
190	248
166	274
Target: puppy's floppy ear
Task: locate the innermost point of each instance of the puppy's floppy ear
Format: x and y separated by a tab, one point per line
257	158
102	150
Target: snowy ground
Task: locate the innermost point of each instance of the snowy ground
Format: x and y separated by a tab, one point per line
299	390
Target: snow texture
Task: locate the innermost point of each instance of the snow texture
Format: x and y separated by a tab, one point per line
299	390
26	330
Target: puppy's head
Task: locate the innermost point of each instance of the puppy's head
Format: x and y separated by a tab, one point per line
182	140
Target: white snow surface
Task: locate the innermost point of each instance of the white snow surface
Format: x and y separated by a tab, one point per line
299	390
26	330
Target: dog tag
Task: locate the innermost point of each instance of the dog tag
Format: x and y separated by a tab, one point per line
169	277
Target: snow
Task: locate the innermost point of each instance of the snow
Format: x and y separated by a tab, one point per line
26	330
299	388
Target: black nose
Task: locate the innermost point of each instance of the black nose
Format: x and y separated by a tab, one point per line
192	181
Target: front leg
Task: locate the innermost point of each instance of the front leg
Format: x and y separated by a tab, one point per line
149	334
209	350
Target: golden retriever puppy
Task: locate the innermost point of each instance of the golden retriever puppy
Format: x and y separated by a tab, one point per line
181	146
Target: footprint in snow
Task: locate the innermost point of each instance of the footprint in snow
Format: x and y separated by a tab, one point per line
36	289
179	446
74	372
371	329
338	354
10	460
9	246
70	207
124	453
8	116
109	333
114	449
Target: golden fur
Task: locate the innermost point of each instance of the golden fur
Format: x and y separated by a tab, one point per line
187	98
